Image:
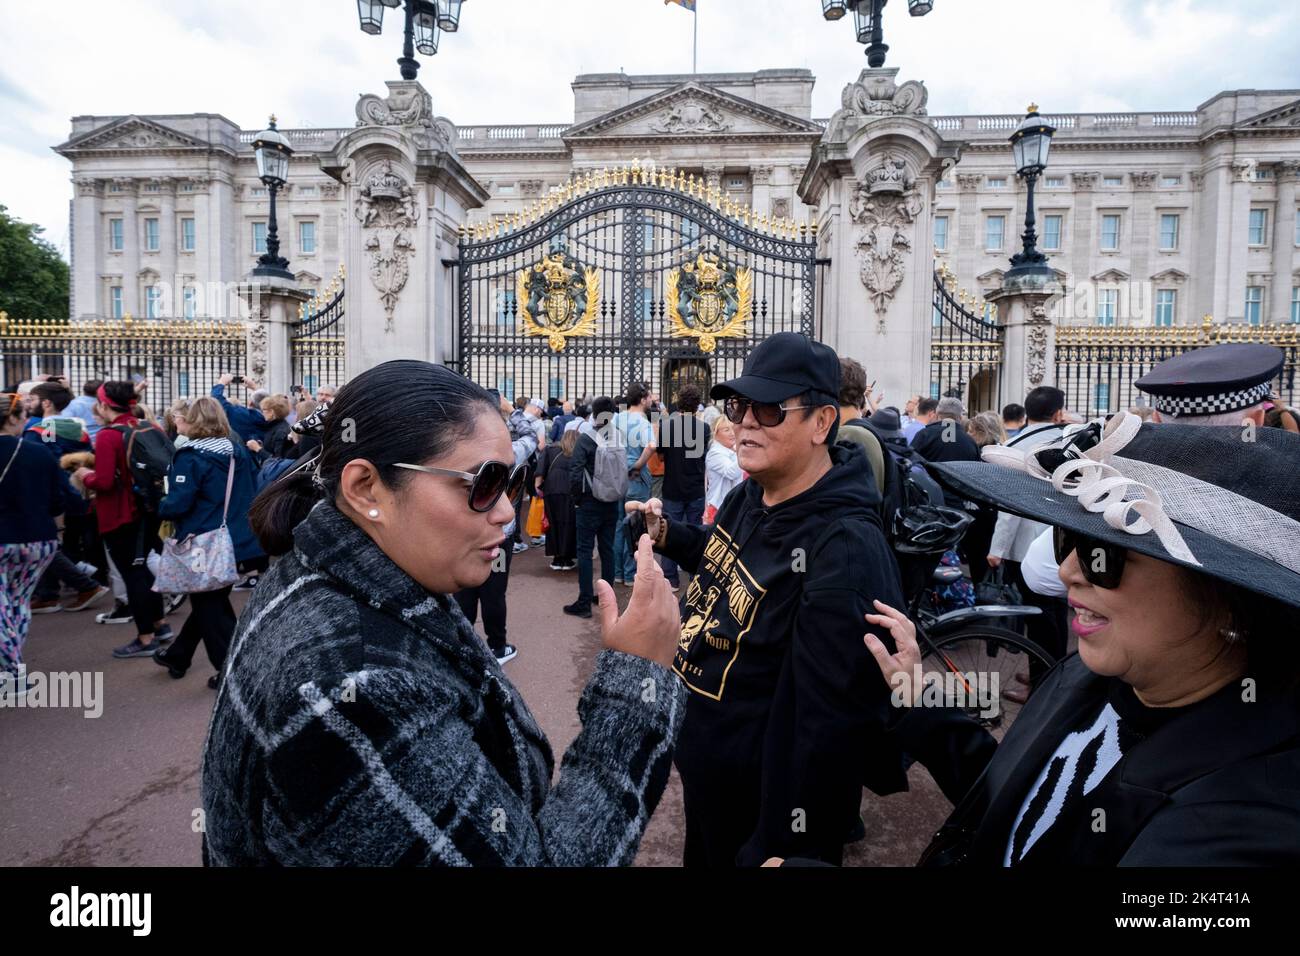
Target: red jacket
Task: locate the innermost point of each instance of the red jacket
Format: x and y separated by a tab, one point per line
111	482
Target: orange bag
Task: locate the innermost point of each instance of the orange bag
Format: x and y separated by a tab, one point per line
536	512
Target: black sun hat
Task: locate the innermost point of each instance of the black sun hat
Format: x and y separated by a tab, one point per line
1223	501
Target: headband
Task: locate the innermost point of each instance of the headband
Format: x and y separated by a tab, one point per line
102	395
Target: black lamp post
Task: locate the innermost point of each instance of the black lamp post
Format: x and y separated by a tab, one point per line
866	22
1029	145
426	21
272	151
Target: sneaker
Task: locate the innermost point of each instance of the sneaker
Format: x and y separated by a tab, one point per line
171	602
247	584
578	609
135	649
86	568
520	547
540	540
121	614
508	654
175	670
86	598
571	566
46	607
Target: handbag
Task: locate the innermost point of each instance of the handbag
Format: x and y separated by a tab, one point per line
200	562
993	590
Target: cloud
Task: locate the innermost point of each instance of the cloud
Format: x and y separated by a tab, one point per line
513	61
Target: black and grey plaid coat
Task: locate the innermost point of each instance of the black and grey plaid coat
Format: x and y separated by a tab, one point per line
362	721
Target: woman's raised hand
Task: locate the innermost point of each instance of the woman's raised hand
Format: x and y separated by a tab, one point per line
651	624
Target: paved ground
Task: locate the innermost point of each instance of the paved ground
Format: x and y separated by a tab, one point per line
122	789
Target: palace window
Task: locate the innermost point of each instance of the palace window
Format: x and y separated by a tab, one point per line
307	190
1114	182
557	388
1171	180
115	301
1107	306
504	308
940	233
1258	230
647	305
996	182
307	238
1254	304
736	182
1168	231
152	302
1052	232
1054	182
934	389
1101	398
259	192
187	235
151	235
1165	299
190	302
1295	303
690	231
994	227
1109	233
259	238
115	235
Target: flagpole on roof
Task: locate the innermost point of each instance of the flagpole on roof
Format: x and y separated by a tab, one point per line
695	36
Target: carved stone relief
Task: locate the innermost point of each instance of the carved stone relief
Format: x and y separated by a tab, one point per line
387	210
884	241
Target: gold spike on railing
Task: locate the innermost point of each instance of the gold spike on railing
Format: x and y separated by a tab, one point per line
636	172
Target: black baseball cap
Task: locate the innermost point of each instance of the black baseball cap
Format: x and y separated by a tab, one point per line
783	366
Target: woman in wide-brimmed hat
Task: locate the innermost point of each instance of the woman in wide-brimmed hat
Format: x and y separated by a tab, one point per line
1173	736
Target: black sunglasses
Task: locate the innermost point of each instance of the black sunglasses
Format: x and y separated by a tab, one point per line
1102	563
486	486
767	414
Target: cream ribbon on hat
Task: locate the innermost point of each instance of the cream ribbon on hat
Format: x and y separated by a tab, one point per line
1125	504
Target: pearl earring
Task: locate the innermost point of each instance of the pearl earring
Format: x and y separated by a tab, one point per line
373	512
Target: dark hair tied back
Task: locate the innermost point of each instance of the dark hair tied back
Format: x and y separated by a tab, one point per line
404	410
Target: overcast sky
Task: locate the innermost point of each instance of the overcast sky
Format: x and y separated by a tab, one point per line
513	60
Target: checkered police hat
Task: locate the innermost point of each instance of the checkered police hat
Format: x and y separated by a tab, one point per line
1208	381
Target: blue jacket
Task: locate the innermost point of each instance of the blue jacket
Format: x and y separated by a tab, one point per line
196	491
249	422
31	494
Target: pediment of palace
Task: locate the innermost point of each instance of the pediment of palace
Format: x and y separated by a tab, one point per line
1286	116
692	110
133	133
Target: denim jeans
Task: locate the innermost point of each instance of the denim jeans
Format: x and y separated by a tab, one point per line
683	512
595	523
624	550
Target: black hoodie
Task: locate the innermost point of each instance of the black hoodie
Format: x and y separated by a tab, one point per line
786	700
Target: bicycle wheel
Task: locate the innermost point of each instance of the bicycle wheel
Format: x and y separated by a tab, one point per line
977	664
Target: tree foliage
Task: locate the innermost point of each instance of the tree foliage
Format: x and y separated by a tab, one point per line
33	276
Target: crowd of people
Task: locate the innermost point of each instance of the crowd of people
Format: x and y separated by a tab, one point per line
360	719
123	480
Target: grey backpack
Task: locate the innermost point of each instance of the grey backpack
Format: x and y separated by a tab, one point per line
609	470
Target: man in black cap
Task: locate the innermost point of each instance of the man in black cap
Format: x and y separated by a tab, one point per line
788	710
1218	385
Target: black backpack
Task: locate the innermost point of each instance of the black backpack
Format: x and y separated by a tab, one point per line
907	485
149	457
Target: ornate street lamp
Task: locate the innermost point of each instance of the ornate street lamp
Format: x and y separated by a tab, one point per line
866	22
425	22
1029	145
272	151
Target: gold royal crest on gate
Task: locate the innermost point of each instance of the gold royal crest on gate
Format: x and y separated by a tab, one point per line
558	298
709	299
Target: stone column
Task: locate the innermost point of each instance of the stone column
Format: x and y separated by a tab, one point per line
872	179
272	315
1144	238
968	245
1234	306
1083	244
130	249
1029	337
1284	241
406	192
761	177
87	248
172	305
